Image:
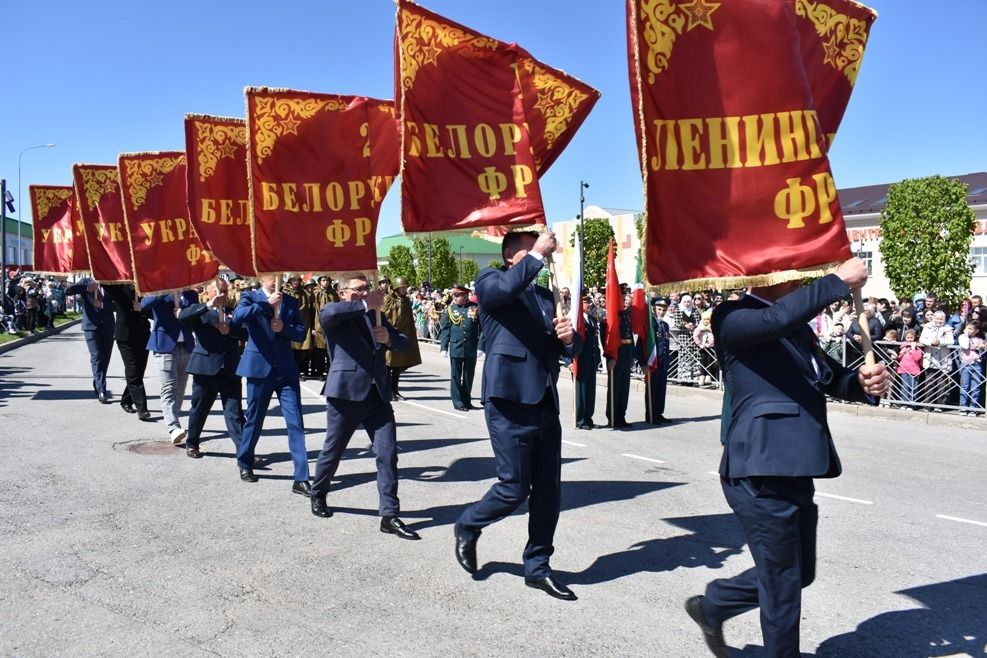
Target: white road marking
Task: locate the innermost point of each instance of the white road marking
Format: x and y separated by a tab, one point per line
433	409
713	473
956	518
645	459
573	443
849	500
317	394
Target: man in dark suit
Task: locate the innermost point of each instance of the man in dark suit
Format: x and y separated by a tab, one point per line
131	333
659	377
97	325
213	365
171	343
777	441
459	340
524	341
588	363
358	391
272	322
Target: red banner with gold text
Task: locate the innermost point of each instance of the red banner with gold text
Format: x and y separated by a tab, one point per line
97	190
733	143
218	194
54	230
468	158
319	168
167	252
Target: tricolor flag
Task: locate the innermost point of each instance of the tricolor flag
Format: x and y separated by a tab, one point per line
615	303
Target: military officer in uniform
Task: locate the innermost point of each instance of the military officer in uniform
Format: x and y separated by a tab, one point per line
397	310
659	376
324	293
620	369
587	365
459	340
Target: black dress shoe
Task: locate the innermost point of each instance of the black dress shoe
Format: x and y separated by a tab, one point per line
302	487
144	415
712	634
396	396
129	408
552	587
319	507
462	408
392	525
193	452
465	551
104	397
247	475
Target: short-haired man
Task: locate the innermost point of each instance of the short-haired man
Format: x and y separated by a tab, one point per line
358	392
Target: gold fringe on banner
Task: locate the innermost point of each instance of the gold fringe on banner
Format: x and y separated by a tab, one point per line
751	281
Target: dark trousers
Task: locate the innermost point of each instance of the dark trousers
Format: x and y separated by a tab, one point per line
205	388
100	344
527	447
461	380
395	375
134	364
779	521
659	388
585	394
259	391
342	419
619	388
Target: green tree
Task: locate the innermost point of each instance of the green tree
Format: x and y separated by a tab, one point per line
444	267
596	242
400	262
496	264
926	230
468	269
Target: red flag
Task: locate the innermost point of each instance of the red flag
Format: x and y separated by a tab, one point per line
320	165
218	195
732	136
97	191
615	304
639	312
166	250
54	242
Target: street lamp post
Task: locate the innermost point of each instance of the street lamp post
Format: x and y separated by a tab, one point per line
20	196
583	185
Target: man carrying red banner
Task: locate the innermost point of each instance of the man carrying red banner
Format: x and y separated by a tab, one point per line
524	341
776	441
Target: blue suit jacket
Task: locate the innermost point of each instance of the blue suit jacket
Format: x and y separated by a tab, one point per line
213	351
93	319
165	327
355	364
522	349
265	349
776	416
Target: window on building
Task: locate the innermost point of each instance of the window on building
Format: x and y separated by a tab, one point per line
868	258
979	257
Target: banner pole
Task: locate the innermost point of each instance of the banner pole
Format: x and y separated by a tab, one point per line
648	411
866	345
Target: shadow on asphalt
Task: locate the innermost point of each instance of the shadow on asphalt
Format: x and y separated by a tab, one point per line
713	538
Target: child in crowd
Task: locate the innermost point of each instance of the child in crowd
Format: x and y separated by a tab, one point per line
971	369
909	365
833	344
703	335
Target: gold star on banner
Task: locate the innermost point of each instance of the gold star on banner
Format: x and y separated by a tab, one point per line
290	126
699	13
831	51
430	53
227	150
155	179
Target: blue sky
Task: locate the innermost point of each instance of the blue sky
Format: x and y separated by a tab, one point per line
102	77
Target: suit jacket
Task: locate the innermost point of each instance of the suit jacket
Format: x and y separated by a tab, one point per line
166	328
522	350
355	362
776	402
265	349
132	327
93	319
213	352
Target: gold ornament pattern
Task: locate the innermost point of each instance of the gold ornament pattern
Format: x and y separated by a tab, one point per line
844	38
98	182
146	173
423	39
663	21
215	141
276	117
47	198
557	101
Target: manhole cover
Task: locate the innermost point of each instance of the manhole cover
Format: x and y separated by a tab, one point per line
152	448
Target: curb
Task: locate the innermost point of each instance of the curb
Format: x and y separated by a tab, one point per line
33	338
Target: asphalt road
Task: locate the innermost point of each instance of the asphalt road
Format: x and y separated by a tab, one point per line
114	543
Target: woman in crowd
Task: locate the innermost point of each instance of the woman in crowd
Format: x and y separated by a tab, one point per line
937	337
685	319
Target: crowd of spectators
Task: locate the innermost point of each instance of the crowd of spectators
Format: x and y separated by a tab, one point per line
31	302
